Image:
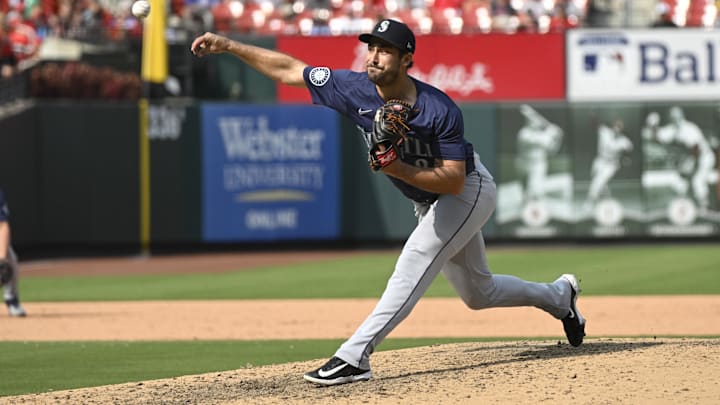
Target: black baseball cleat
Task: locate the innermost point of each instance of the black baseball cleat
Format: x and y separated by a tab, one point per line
573	323
337	371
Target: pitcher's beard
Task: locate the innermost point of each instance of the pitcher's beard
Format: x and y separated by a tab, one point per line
381	77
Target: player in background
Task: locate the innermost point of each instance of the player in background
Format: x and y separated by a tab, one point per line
537	140
8	263
437	169
611	145
688	134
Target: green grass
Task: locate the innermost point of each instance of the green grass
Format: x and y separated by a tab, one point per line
42	366
615	270
35	367
622	270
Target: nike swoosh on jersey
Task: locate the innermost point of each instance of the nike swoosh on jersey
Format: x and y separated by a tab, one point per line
363	112
323	373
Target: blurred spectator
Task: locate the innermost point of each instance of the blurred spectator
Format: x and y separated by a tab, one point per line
34	16
24	41
239	16
8	61
534	16
564	16
225	13
664	16
477	16
354	17
446	16
84	20
536	8
59	22
195	15
124	25
103	20
319	23
599	13
504	16
528	23
91	24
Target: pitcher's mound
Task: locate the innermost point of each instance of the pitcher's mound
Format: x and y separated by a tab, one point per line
629	371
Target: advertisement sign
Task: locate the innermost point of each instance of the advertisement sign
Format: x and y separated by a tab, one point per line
269	172
609	170
657	64
535	173
468	68
608	165
681	175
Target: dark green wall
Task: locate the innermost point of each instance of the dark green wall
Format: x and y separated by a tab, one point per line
88	160
71	172
20	173
175	173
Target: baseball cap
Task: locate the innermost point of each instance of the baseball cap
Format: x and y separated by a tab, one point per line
393	32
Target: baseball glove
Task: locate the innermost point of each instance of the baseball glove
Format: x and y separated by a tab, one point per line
389	129
5	271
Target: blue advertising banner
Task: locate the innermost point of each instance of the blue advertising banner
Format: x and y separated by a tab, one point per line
270	172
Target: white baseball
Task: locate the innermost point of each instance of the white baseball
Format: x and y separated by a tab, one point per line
141	8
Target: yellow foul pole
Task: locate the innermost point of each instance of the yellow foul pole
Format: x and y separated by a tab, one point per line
154	70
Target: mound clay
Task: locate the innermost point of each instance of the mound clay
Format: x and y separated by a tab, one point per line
602	371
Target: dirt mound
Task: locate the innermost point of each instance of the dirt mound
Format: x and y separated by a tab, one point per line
612	371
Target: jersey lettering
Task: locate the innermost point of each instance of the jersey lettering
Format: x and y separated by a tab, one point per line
413	151
417	153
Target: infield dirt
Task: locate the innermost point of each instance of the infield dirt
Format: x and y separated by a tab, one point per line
648	370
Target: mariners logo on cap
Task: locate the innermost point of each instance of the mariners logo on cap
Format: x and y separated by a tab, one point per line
384	26
319	76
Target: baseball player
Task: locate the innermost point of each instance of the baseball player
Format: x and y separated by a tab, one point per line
537	140
436	168
688	134
611	144
8	263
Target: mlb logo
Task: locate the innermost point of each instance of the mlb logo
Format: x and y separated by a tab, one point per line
590	62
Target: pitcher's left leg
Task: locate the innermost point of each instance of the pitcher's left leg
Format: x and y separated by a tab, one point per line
470	276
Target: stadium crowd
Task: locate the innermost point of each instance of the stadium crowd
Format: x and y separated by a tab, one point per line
25	24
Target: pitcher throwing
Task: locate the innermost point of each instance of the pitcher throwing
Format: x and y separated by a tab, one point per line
427	158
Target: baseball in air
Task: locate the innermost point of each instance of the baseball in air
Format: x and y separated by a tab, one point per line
141	8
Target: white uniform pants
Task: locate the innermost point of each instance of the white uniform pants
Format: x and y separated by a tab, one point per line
10	289
448	239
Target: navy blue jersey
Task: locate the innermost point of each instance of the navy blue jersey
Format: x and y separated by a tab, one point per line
4	213
436	131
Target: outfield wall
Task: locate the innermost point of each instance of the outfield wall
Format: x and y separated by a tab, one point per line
575	153
229	173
